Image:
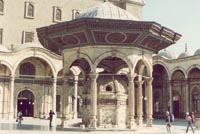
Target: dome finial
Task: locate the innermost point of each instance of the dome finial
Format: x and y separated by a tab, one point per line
185	47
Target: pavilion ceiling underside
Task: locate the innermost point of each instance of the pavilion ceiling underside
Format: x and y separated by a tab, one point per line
83	32
112	65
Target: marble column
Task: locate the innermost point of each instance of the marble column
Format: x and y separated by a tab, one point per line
186	96
54	96
65	108
149	102
170	96
139	103
93	118
75	97
11	108
131	102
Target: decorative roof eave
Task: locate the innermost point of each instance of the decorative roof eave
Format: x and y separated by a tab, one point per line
151	35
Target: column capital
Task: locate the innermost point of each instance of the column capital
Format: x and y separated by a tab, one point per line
149	80
54	79
93	75
139	82
131	76
12	77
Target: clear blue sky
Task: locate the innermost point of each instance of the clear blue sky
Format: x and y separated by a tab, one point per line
182	16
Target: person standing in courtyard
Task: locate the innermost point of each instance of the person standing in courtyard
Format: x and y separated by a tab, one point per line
51	113
168	122
189	122
193	119
19	118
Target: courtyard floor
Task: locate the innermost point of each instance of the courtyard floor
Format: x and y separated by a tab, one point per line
40	126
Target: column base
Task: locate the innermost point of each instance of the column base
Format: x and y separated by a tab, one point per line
93	123
11	116
64	122
139	121
75	116
131	124
149	122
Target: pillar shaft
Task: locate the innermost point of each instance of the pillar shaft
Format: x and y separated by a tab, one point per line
65	107
139	103
93	119
131	102
186	96
75	97
149	102
170	97
11	112
54	95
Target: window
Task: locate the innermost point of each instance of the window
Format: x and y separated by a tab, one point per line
29	10
1	6
75	13
1	36
27	69
196	102
27	37
57	14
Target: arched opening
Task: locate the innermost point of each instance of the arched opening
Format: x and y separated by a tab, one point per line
160	92
112	96
25	103
176	104
178	86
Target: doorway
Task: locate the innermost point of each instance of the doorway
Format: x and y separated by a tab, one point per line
176	108
25	103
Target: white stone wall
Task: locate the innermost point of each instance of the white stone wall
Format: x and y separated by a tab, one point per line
14	23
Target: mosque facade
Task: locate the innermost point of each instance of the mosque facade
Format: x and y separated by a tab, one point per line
76	65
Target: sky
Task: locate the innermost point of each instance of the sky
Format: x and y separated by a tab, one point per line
182	16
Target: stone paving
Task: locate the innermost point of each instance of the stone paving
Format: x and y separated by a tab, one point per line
39	126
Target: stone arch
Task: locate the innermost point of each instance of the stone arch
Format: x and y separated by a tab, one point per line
176	69
9	66
36	98
43	57
192	67
146	63
73	58
164	66
116	54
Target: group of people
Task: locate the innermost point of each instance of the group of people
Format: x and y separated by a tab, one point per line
20	118
190	118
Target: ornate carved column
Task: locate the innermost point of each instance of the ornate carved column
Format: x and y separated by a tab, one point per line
139	103
54	95
93	118
186	96
149	102
75	97
131	102
11	108
65	108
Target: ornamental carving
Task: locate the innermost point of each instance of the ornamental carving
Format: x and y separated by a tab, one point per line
115	38
106	101
70	39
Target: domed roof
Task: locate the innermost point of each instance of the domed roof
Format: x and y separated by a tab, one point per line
28	45
183	55
107	10
165	54
3	49
197	52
